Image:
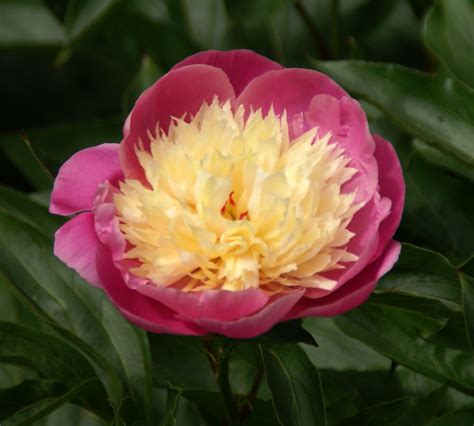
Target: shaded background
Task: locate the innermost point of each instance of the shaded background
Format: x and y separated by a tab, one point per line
72	70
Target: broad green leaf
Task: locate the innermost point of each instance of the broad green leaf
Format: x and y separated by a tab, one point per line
28	23
82	15
439	112
41	197
295	386
440	159
89	389
145	77
287	332
449	33
55	360
455	418
467	284
21	154
181	361
78	311
172	402
55	144
245	366
414	411
72	415
437	211
27	393
17	204
207	23
424	280
338	351
399	335
156	11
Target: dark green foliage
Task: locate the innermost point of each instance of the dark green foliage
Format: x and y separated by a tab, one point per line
71	72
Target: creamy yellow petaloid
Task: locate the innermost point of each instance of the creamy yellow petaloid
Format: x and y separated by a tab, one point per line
232	204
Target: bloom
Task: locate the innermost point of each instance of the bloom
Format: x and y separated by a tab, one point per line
241	195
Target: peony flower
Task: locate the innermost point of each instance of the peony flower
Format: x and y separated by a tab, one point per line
242	194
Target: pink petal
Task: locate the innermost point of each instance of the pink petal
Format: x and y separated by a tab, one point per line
137	308
347	122
256	324
241	66
214	304
353	293
76	244
76	185
364	243
392	185
178	93
289	90
107	223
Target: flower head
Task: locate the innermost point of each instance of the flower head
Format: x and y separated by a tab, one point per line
257	195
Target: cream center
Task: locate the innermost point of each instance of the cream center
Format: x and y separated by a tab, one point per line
232	204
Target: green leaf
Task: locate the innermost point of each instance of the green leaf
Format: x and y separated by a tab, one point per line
172	402
338	351
89	389
82	15
399	335
207	24
287	332
439	112
449	33
55	144
438	218
145	77
75	309
22	207
455	418
467	284
295	385
28	23
415	411
424	280
181	361
72	415
26	393
440	159
21	154
55	360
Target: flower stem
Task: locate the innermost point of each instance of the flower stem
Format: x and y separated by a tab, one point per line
218	353
252	395
225	389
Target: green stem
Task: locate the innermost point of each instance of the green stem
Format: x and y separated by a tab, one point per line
224	386
218	353
257	381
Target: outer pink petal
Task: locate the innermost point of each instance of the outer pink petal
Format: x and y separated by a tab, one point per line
76	185
353	293
215	304
256	324
364	244
241	66
392	185
347	122
76	244
180	92
137	308
289	90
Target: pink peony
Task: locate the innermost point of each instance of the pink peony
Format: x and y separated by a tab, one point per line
242	194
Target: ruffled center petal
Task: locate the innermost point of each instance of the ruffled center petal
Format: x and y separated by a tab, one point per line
231	204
